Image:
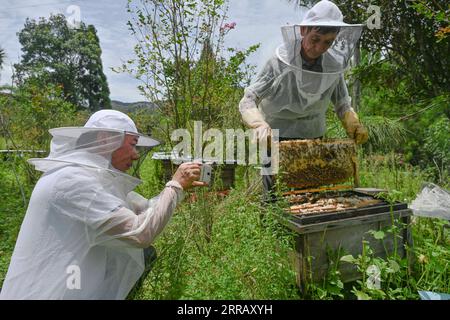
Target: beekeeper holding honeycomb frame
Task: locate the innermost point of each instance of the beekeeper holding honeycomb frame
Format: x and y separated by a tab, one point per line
293	90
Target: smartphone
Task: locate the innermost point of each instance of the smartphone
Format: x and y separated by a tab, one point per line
205	173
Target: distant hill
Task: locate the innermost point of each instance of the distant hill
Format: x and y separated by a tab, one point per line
128	107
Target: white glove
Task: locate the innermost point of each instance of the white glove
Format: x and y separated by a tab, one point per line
254	119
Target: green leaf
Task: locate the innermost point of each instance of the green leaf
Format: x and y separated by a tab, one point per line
348	258
379	235
362	295
394	266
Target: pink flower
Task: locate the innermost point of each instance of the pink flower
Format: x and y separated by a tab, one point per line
227	26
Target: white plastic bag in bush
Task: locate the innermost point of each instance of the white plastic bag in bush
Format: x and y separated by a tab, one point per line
432	201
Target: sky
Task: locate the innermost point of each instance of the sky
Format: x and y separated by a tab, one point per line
257	21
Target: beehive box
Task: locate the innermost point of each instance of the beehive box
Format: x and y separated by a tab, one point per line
312	166
342	233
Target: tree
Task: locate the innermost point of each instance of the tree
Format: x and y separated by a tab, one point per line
26	115
57	54
182	64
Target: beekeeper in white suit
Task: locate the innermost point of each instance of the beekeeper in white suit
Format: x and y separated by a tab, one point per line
293	90
85	228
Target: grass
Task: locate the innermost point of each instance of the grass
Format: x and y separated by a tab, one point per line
12	210
233	248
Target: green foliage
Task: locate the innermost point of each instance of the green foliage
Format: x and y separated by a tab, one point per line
30	111
406	39
54	53
424	268
436	13
151	174
12	209
27	113
431	249
437	147
393	173
403	123
385	135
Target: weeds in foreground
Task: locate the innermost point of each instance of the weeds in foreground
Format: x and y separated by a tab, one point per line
221	248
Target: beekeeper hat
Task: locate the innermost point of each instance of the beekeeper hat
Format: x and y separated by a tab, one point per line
325	13
110	121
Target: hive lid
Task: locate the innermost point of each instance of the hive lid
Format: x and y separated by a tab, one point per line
317	162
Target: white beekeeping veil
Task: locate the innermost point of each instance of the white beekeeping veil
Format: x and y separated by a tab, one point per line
80	216
312	83
92	145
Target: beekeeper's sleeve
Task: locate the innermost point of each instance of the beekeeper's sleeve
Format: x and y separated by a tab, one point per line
139	227
108	219
341	99
260	87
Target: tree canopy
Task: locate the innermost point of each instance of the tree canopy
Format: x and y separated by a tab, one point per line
55	53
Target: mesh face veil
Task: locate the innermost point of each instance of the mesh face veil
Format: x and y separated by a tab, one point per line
296	85
93	144
323	20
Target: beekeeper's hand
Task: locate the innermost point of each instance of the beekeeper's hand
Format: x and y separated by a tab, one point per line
355	130
255	120
187	175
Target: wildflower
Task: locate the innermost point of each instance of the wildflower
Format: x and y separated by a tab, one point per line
422	258
227	26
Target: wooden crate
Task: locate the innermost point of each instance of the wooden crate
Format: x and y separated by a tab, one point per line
315	241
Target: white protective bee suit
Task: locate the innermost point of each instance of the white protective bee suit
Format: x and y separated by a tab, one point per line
85	229
289	96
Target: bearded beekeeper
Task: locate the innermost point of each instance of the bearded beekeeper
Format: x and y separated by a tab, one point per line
292	92
85	228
